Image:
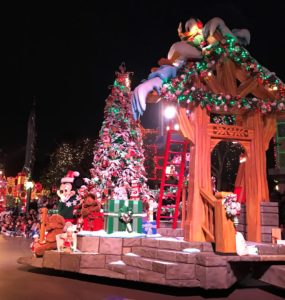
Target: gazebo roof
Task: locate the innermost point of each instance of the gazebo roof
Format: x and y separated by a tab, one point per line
227	80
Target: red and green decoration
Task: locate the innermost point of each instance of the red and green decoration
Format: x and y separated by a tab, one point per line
118	164
183	91
223	119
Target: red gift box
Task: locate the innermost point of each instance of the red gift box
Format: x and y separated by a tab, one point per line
94	222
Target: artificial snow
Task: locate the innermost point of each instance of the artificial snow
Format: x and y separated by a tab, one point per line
131	254
157	235
165	262
119	263
191	250
171	239
118	234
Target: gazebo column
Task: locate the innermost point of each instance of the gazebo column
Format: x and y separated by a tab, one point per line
255	177
199	174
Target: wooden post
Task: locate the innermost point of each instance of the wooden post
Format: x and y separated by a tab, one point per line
44	216
199	175
225	233
255	177
276	235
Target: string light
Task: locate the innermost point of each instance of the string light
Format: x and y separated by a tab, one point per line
178	89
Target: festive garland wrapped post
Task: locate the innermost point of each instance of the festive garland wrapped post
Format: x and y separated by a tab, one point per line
232	207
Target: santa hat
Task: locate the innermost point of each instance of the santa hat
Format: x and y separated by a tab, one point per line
69	177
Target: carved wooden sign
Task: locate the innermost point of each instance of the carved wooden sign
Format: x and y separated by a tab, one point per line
229	132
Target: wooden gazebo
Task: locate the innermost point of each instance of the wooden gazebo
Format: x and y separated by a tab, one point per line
253	130
235	84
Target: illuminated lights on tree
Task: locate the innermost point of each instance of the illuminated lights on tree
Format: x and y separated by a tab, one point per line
118	165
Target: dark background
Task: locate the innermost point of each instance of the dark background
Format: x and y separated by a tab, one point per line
67	56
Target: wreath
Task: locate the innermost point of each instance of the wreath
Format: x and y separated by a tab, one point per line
232	207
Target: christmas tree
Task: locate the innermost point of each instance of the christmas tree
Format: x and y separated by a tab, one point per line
118	166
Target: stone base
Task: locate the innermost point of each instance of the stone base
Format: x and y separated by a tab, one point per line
164	260
269	220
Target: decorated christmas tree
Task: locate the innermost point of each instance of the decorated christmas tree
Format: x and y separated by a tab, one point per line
118	167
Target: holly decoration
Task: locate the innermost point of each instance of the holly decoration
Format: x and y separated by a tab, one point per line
183	91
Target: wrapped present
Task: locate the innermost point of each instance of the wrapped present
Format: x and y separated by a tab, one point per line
93	222
123	215
66	242
149	227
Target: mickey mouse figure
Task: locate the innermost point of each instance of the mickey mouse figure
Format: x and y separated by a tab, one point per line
67	195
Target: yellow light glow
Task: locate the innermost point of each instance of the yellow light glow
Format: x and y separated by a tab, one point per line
195	30
170	112
29	185
242	158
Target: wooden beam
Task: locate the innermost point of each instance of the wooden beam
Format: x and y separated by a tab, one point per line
229	77
263	93
260	91
247	87
219	71
208	197
209	236
213	84
241	75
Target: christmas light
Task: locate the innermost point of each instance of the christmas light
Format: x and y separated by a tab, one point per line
170	112
118	154
176	127
178	89
29	185
242	158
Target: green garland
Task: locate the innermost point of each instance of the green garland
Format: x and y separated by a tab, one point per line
182	90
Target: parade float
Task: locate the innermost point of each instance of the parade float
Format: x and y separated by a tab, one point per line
208	72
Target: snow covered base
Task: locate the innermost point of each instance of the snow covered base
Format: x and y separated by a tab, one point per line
118	234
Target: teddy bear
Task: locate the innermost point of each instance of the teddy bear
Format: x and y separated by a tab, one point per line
91	213
54	225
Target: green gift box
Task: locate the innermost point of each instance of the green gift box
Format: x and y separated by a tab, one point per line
113	212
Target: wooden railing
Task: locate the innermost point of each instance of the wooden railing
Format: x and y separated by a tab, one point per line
217	227
208	227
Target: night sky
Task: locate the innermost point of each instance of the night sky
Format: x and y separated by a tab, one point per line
66	58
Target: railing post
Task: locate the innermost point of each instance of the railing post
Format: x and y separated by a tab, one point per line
225	232
43	223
